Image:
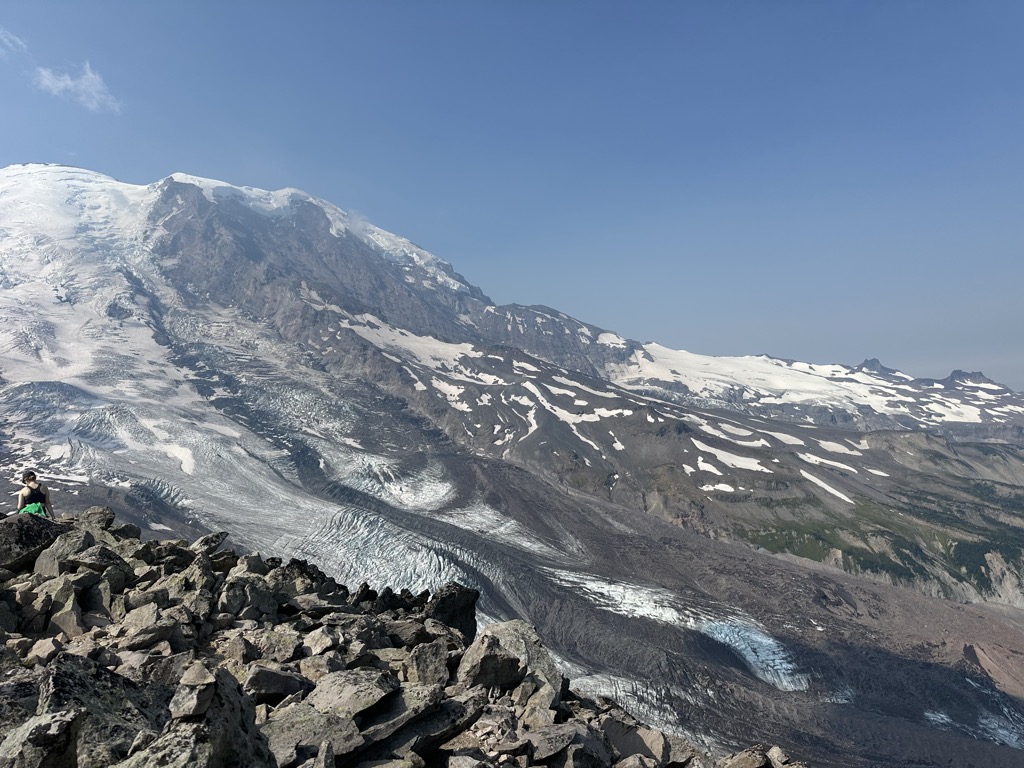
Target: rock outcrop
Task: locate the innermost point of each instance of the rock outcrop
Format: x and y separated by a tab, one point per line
129	653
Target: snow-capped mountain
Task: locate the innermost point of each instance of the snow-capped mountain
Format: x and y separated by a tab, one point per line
205	356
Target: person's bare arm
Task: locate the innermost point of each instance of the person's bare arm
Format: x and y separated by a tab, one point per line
21	499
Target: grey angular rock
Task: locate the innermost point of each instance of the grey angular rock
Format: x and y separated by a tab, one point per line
44	741
407	633
251	564
314	668
296	577
194	693
753	757
318	606
44	650
267	685
465	761
96	517
411	703
145	627
534	716
8	618
318	641
394	659
428	663
298	732
247	591
126	531
209	544
487	663
239	649
550	740
521	638
587	749
325	756
779	759
102	559
68	619
19	694
197	577
65	615
186	746
424	734
52	561
454	640
190	701
578	756
280	645
198	674
351	691
636	761
684	754
628	739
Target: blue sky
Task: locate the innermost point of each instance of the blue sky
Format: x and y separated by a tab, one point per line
822	181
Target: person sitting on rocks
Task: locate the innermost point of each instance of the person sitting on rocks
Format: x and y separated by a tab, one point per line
34	498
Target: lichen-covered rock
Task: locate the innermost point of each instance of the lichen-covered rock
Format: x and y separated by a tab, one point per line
428	663
117	708
44	741
24	537
224	736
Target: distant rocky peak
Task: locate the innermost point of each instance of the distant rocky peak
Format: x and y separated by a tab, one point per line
972	378
874	365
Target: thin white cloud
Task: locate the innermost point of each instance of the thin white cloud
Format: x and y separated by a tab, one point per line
88	89
10	44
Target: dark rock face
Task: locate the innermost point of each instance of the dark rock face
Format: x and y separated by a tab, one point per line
197	675
23	537
454	605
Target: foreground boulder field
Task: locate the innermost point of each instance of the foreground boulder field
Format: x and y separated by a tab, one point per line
130	653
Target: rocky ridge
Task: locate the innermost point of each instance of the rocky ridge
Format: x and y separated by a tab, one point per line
123	652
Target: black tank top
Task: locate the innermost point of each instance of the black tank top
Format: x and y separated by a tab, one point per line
35	495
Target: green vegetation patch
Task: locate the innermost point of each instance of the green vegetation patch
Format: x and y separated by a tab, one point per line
802	538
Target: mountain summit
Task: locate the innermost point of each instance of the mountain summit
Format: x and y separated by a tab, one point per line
724	543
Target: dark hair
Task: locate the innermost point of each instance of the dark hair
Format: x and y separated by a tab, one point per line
27	476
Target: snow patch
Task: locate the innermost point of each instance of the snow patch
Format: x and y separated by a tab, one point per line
826	486
810	458
731	459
